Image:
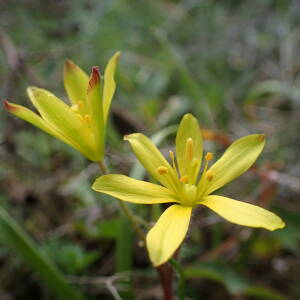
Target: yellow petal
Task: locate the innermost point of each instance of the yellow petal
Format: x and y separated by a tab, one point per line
151	158
62	118
109	84
132	190
168	233
188	128
237	159
34	119
242	213
94	101
75	81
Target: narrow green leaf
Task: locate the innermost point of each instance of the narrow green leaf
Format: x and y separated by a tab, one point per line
19	241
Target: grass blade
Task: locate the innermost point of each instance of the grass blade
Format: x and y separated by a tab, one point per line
20	242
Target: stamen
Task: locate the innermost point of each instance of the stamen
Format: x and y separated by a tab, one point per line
209	156
209	175
189	153
172	156
79	116
194	170
184	179
162	170
75	107
87	119
80	104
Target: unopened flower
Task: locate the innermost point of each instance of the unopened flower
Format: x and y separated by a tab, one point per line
183	186
81	124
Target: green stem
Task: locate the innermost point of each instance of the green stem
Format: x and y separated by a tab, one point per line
124	207
181	282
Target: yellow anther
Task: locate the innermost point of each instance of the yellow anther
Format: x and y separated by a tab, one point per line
87	118
75	107
209	175
162	170
80	104
79	116
184	179
209	156
189	153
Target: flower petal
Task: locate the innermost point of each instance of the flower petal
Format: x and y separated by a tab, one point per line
242	213
94	101
168	233
151	158
237	159
109	84
75	81
34	119
188	128
132	190
60	116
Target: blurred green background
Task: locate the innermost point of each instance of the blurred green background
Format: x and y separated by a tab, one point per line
234	64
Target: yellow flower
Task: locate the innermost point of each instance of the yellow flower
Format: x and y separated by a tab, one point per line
182	186
82	124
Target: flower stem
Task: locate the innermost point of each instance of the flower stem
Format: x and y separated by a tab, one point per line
180	272
125	208
165	272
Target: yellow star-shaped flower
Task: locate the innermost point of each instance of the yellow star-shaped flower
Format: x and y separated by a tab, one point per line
82	124
183	186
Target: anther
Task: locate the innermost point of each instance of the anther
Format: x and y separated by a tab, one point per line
162	170
209	156
79	116
209	175
80	104
87	118
75	107
189	153
184	179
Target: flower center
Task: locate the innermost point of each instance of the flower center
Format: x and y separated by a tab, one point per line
79	111
189	195
187	189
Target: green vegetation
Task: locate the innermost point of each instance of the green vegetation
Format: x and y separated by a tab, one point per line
233	64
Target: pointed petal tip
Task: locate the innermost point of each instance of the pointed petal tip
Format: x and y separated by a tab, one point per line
69	65
94	78
188	115
8	106
280	225
117	54
32	89
261	137
127	137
